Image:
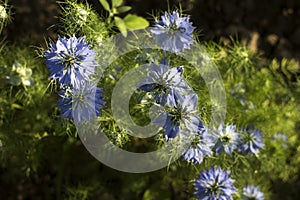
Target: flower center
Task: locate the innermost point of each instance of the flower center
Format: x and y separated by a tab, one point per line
176	114
225	139
162	89
247	137
78	97
173	27
69	60
79	100
162	86
197	141
214	189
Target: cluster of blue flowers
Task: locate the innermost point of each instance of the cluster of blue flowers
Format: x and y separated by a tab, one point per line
174	34
171	91
225	139
71	62
247	141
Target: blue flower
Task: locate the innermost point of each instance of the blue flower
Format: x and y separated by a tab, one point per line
252	193
70	61
200	147
163	81
214	184
250	140
227	139
180	116
82	103
173	33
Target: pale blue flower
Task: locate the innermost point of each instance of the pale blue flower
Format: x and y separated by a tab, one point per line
252	193
227	139
163	80
71	61
250	140
201	146
180	114
82	103
173	33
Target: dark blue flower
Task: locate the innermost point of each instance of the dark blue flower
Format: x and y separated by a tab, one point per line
70	61
252	193
180	116
200	147
250	140
173	33
163	81
227	139
82	103
214	184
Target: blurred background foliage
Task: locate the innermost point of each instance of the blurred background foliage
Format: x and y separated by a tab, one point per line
255	45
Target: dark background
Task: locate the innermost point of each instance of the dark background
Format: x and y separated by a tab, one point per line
268	26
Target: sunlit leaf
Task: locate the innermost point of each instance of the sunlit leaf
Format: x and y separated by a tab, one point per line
123	9
121	25
105	4
116	3
134	22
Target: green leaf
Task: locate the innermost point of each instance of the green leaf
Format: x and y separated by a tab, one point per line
134	22
116	3
123	9
105	5
121	25
16	106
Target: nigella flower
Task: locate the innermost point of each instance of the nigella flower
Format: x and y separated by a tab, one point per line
200	147
252	193
181	115
214	184
163	81
82	103
250	140
70	61
227	139
173	33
